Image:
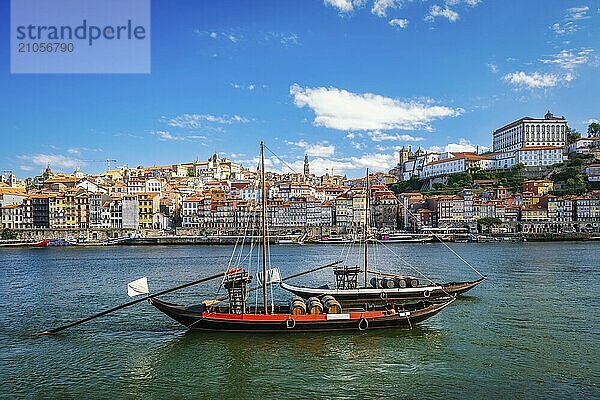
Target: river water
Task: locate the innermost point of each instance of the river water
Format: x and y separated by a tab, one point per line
532	330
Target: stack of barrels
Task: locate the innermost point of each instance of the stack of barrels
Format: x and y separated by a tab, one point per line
298	306
315	306
394	282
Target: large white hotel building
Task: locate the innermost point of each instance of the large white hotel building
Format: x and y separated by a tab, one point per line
531	132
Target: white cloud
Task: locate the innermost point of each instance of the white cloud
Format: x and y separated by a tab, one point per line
399	22
535	80
26	168
286	39
344	110
463	145
592	121
568	60
568	24
357	145
437	11
380	7
375	162
250	86
321	166
344	6
168	136
78	150
493	68
378	136
54	160
471	3
565	28
577	13
317	149
233	37
194	121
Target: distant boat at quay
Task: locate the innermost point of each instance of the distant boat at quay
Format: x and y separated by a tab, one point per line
69	241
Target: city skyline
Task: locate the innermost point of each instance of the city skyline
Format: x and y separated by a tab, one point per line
346	82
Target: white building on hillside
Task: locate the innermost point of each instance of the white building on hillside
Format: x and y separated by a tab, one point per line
456	163
582	145
526	132
534	156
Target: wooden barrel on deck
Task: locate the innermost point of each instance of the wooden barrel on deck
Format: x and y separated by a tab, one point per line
298	306
331	305
387	283
413	282
374	282
400	282
314	306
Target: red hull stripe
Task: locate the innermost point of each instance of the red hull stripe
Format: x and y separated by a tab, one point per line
284	317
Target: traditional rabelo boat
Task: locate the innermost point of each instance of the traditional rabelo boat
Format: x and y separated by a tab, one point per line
381	287
381	290
323	313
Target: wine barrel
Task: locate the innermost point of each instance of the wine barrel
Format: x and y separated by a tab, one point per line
314	306
400	282
374	282
298	306
414	282
331	305
387	283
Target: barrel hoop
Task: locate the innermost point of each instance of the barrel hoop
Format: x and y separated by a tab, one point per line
363	324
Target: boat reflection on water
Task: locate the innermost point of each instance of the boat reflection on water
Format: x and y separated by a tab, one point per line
232	365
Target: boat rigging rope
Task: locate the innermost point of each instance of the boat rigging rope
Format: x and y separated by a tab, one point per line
279	158
458	255
414	268
446	245
407	263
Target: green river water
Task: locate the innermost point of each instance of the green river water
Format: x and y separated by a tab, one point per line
532	330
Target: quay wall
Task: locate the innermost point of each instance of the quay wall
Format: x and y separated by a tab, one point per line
196	236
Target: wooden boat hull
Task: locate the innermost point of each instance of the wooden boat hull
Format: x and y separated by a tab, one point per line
197	318
378	295
457	288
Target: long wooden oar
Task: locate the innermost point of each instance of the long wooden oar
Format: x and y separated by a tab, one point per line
81	321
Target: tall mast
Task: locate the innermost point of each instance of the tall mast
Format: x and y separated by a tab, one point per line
264	226
367	195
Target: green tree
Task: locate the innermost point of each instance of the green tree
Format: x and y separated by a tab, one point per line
593	129
572	135
488	222
519	167
412	185
8	234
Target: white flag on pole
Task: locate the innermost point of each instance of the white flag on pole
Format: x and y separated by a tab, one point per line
139	286
272	276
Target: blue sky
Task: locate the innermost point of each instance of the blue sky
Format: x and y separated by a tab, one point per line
347	82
